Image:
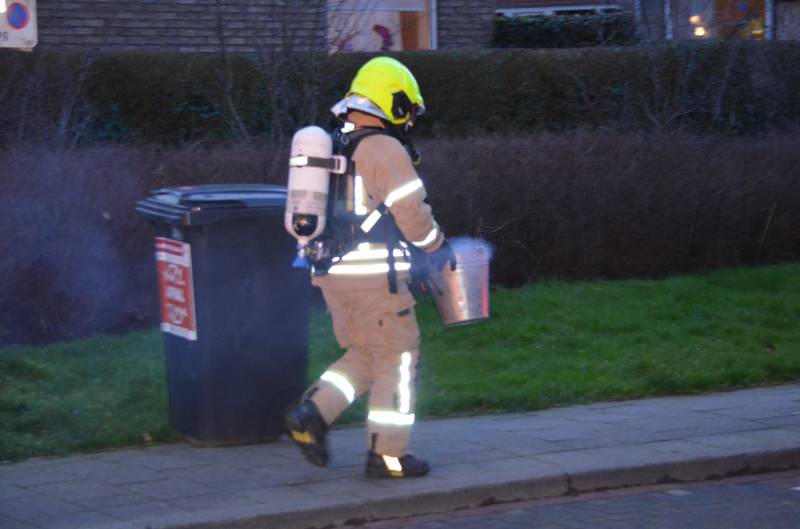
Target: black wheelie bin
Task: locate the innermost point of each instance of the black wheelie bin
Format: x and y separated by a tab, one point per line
234	313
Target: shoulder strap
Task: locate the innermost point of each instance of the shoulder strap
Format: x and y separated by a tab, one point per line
346	143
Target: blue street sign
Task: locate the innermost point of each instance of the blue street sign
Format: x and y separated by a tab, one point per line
17	15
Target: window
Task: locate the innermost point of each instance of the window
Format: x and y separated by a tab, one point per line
381	25
740	19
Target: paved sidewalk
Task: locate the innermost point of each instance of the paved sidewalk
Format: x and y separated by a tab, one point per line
477	461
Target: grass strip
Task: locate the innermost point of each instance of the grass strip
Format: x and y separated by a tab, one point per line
547	344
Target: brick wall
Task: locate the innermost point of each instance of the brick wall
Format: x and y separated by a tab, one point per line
465	23
183	25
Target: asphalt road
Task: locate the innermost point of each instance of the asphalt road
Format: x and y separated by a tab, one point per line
769	501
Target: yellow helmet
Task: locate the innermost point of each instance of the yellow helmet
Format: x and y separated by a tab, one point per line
385	88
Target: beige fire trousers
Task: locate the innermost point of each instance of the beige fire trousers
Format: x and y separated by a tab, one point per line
379	330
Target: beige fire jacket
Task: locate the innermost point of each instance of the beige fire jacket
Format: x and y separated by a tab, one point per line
384	169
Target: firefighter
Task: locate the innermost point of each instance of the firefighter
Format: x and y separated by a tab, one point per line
379	217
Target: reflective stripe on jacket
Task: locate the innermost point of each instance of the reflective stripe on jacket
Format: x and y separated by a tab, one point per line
370	259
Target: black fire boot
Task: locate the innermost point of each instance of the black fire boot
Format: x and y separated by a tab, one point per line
408	466
307	429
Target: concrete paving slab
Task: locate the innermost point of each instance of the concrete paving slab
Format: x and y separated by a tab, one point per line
675	420
520	444
33	508
700	431
111	502
753	441
123	474
163	461
288	499
488	454
77	520
81	467
211	474
592	460
215	501
757	413
790	420
14	476
136	515
81	490
8	523
685	447
622	437
12	492
348	486
167	489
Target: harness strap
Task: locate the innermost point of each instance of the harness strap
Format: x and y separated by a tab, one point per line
392	242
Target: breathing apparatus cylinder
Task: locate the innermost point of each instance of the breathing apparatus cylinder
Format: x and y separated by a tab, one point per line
307	190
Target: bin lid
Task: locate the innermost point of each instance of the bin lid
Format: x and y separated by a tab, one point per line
204	204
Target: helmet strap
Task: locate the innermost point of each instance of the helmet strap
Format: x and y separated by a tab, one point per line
401	133
415	155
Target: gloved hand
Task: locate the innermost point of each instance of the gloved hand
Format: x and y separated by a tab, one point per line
442	256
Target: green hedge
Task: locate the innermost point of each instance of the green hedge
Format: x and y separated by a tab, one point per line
540	31
739	87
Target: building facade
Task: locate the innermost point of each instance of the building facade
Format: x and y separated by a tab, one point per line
257	26
248	26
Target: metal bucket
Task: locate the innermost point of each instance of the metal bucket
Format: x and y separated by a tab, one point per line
462	295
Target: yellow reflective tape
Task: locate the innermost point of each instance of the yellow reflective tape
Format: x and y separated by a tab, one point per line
341	383
366	255
390	418
403	191
404	388
398	194
429	239
366	269
360	204
371	221
393	464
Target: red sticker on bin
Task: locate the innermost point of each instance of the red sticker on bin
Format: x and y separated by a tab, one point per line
174	263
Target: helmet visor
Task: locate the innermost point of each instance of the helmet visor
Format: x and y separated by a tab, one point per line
357	102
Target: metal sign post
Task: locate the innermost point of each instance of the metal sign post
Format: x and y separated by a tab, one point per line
18	24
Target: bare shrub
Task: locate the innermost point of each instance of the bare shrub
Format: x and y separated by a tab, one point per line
77	260
588	205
